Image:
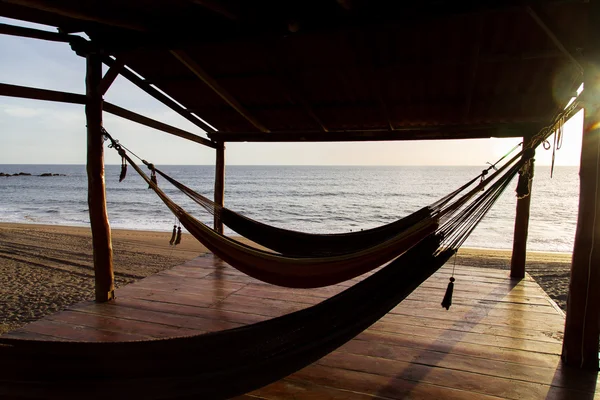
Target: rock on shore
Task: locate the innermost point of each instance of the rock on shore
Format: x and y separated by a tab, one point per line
28	174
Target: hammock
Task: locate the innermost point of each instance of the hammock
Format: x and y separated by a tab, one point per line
228	363
293	243
301	244
311	272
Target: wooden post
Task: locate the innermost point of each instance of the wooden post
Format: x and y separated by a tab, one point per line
519	253
582	331
101	240
220	183
580	344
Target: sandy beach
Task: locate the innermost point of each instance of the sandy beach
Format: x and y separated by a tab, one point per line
46	268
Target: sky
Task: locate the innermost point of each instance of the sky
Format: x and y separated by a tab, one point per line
42	132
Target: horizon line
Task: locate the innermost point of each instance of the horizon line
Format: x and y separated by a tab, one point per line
310	165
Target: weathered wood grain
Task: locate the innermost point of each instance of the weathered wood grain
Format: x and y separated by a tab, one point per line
500	339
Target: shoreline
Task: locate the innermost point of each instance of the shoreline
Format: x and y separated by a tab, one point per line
471	249
46	268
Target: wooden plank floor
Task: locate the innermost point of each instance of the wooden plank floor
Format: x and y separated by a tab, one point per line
500	339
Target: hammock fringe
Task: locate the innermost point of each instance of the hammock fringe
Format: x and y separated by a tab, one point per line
447	301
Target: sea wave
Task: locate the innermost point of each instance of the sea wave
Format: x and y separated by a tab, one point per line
309	199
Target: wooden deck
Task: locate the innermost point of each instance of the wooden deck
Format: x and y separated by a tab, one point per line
500	339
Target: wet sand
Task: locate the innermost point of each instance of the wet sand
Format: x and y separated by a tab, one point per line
46	268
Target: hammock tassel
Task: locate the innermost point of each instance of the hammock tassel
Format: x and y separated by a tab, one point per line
178	238
123	169
173	235
152	174
447	302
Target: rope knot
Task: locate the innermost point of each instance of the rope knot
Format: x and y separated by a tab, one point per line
528	153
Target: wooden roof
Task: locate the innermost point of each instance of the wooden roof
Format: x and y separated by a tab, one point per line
318	70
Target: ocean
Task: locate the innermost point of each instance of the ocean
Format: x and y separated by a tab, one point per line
320	199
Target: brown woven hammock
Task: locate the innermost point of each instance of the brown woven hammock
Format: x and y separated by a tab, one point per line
302	244
297	272
294	243
310	272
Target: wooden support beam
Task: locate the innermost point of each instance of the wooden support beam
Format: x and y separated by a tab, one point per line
219	183
453	61
6	29
309	110
41	94
295	93
152	123
580	345
79	13
582	326
519	251
101	235
425	133
111	75
142	84
552	32
219	7
216	87
73	98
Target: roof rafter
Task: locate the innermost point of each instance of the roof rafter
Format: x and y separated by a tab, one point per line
294	93
152	123
214	85
552	32
116	67
75	98
219	8
291	85
78	14
140	82
111	75
26	92
13	30
483	59
416	133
